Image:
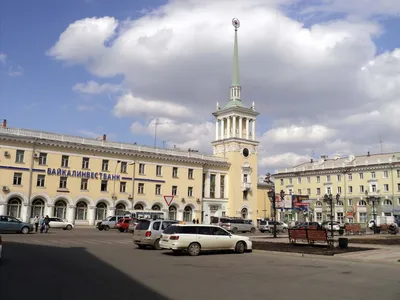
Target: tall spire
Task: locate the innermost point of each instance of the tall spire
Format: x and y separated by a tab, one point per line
234	99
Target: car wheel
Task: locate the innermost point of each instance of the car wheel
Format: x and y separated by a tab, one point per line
121	230
253	230
140	246
157	244
235	230
240	247
106	228
262	231
194	249
177	252
100	228
25	230
69	227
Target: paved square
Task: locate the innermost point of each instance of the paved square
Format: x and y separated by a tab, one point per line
88	264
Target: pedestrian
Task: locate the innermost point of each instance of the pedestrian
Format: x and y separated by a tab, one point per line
46	224
197	221
36	222
41	224
194	221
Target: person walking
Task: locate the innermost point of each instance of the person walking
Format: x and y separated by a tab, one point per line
36	222
46	224
41	224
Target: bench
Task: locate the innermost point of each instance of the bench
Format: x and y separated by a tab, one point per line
352	229
310	236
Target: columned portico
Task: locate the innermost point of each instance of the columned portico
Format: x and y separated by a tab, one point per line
213	208
207	185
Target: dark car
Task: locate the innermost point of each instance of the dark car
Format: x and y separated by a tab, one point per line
308	225
11	224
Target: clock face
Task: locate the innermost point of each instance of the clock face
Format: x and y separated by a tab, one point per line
235	22
246	152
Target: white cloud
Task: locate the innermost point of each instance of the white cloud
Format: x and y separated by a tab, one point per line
3	58
92	87
320	89
15	71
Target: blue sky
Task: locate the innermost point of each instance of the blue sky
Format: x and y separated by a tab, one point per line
301	64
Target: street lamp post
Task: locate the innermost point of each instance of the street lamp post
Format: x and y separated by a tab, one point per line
329	200
374	202
271	194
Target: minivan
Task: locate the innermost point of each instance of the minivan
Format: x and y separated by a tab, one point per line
236	225
148	232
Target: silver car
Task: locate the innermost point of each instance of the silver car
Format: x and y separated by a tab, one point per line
236	225
148	232
267	225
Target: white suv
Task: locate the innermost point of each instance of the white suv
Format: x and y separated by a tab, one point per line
196	238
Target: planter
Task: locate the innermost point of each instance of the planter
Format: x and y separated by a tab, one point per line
343	243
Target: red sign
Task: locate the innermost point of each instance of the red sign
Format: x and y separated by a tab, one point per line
168	200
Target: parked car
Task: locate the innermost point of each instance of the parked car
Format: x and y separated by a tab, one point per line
327	225
305	225
267	225
236	225
194	239
132	225
108	223
60	223
123	224
11	224
148	232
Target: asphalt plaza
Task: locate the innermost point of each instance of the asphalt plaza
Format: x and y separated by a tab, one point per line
89	264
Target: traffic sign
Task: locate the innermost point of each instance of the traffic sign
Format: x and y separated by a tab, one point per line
168	200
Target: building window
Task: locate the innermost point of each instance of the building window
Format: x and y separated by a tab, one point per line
141	188
138	207
85	163
37	208
308	179
172	213
158	189
363	217
245	193
159	170
350	220
64	161
318	191
17	179
373	175
398	173
328	190
174	190
190	191
318	204
361	189
350	189
63	183
281	181
120	209
222	186
42	158
350	177
340	217
104	184
386	188
385	174
124	167
350	202
319	217
398	187
122	187
40	180
212	185
328	178
84	184
290	181
244	213
373	188
156	207
339	178
187	214
81	211
299	180
204	185
308	191
19	158
387	202
245	178
339	189
60	209
141	169
14	208
299	191
190	173
174	172
290	191
101	211
362	203
361	175
104	165
318	179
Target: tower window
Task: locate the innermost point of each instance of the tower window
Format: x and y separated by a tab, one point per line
246	152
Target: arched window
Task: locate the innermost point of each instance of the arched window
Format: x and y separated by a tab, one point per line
244	213
388	202
362	203
81	211
60	209
172	213
318	203
187	214
101	211
120	209
156	207
138	206
340	203
14	208
37	208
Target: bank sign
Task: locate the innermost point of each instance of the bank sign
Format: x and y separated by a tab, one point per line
82	174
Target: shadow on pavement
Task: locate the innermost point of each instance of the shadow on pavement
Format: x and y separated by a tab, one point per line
44	272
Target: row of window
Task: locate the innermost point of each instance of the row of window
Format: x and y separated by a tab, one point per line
213	184
339	177
41	180
362	217
104	165
350	202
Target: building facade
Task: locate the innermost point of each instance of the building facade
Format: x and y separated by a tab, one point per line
354	178
84	180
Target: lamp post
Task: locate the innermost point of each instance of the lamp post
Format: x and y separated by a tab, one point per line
271	194
328	199
374	202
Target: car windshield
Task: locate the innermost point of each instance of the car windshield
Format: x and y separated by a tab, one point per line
263	223
143	225
172	229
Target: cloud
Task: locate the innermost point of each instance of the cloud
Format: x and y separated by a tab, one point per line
94	107
320	89
3	58
15	71
92	87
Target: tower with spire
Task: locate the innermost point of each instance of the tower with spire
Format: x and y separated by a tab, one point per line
235	139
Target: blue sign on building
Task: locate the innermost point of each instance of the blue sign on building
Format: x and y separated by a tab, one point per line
82	174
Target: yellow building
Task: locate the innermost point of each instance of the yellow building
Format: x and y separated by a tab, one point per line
355	178
84	180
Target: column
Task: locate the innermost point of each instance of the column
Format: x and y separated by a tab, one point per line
71	214
247	128
25	213
111	211
234	126
228	129
218	186
216	129
254	129
3	206
49	210
91	215
222	128
207	185
179	215
240	127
